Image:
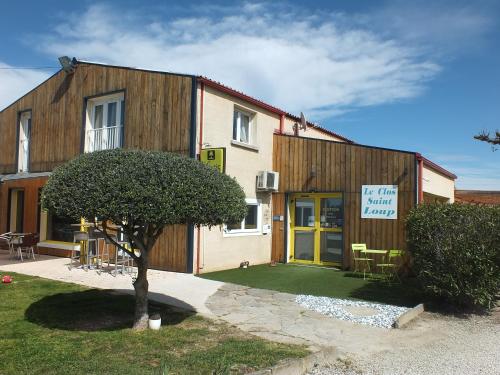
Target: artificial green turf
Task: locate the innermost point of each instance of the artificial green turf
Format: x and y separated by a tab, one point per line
49	327
320	281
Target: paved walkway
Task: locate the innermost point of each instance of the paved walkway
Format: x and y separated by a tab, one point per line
276	316
176	289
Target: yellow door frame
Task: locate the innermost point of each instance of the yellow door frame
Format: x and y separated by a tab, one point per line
317	229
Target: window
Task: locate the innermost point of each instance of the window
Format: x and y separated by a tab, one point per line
60	228
105	118
251	224
242	127
24	141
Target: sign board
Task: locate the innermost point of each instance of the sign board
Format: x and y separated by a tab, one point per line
379	202
216	157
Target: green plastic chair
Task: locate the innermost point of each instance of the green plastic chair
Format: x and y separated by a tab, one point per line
391	267
360	259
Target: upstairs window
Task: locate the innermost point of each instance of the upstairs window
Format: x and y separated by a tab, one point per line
105	119
24	141
242	127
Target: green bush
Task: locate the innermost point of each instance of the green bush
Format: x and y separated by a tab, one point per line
456	252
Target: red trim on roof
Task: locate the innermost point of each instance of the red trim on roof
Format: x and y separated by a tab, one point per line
259	103
436	167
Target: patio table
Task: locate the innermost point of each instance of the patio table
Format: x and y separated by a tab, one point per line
374	252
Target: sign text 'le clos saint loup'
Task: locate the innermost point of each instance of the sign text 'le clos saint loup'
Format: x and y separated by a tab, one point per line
379	202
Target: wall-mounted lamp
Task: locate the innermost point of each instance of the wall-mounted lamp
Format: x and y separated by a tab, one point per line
67	64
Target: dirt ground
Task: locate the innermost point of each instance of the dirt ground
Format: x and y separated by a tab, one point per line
457	346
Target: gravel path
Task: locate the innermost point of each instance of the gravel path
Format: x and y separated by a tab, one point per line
471	346
361	312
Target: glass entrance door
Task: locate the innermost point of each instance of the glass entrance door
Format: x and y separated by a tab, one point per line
316	228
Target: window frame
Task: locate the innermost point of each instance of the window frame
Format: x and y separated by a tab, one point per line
27	137
91	102
236	137
247	232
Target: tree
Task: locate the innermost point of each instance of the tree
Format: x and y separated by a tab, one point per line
485	137
142	191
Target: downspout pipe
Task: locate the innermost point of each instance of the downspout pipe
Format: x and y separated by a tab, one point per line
200	145
420	190
282	123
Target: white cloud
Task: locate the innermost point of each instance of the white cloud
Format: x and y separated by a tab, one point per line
443	158
294	59
324	64
16	82
475	176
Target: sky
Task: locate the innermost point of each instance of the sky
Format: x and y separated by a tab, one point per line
412	75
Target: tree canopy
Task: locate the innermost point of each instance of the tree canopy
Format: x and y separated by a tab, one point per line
143	187
494	139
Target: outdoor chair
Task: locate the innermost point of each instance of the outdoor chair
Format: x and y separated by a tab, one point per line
125	261
7	239
360	259
104	255
16	242
28	244
392	264
76	254
122	258
94	256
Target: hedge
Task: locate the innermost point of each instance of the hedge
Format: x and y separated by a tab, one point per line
456	252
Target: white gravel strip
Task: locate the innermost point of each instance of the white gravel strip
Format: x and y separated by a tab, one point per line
335	307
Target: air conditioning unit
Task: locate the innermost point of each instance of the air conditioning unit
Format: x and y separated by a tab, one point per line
268	181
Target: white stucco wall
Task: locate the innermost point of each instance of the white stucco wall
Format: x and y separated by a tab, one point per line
218	250
310	132
437	184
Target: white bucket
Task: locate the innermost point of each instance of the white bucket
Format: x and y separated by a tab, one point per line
155	324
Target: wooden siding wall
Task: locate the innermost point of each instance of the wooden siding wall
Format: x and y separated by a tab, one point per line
157	117
30	187
310	165
157	105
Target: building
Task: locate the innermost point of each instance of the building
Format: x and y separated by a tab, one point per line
331	192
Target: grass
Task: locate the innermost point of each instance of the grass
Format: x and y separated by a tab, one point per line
320	281
52	327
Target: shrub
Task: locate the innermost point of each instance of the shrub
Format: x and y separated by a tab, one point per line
456	252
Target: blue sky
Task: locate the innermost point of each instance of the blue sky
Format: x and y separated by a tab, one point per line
420	76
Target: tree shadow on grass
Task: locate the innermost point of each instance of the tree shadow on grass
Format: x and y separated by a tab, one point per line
95	310
392	293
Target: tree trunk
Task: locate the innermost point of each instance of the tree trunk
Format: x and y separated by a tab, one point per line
141	294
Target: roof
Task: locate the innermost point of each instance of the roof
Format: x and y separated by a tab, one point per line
437	168
486	192
489	197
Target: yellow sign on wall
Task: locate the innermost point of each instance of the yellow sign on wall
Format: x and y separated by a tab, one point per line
216	157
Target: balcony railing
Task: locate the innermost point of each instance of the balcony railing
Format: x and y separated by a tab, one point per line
104	138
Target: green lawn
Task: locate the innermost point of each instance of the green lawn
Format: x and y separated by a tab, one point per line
320	281
49	327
